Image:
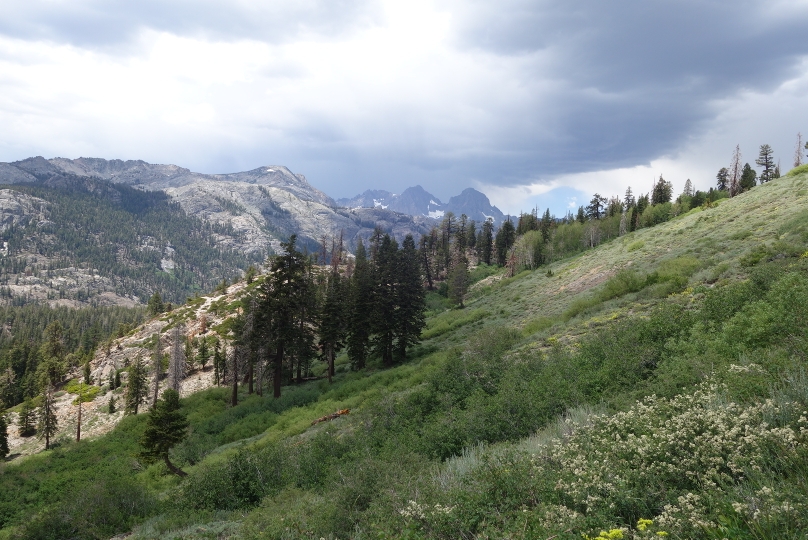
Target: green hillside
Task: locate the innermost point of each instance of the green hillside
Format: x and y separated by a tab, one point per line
653	386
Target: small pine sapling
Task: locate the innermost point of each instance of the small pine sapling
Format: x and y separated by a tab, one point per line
165	428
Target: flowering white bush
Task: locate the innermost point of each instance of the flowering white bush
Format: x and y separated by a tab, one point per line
694	443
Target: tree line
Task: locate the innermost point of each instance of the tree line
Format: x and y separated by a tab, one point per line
372	306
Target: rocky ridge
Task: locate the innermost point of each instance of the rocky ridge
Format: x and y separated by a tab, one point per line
202	317
264	205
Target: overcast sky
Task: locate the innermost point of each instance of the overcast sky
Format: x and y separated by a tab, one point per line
535	103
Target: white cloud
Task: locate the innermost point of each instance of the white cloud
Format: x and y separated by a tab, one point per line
389	94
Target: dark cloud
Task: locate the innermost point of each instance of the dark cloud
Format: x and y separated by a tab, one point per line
637	76
576	86
104	24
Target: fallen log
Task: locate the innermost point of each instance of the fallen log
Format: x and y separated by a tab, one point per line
331	416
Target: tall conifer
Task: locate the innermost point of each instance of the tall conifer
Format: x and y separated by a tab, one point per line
48	422
410	296
385	312
284	310
331	321
361	298
136	386
486	246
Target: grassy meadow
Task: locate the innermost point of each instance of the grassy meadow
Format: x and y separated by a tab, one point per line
652	387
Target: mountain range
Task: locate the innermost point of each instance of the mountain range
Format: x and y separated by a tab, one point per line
416	201
193	231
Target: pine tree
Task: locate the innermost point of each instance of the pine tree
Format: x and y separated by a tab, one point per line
249	276
52	366
3	437
361	299
471	234
410	320
136	386
632	219
628	200
385	305
766	161
459	279
615	207
47	424
748	178
26	419
546	226
203	355
284	316
461	240
688	190
487	243
87	372
218	362
165	428
581	216
331	326
506	236
663	192
155	305
235	372
112	407
423	257
722	179
595	210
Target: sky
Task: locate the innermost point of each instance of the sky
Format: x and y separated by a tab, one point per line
535	103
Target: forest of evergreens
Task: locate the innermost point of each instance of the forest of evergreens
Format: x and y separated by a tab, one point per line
121	233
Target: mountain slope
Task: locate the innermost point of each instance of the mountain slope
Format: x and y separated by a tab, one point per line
264	206
73	240
438	447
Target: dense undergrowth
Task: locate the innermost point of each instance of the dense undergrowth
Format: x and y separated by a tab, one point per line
668	400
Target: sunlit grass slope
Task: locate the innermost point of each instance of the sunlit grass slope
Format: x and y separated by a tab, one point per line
651	386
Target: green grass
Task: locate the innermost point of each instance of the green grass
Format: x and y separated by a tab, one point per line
451	320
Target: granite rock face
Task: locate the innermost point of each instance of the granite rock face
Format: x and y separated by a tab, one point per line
264	206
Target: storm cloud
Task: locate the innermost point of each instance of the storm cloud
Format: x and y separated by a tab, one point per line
517	97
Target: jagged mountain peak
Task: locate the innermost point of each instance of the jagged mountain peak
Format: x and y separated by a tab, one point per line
416	201
475	205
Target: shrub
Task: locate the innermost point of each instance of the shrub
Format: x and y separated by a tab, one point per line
798	170
98	510
622	283
634	246
85	392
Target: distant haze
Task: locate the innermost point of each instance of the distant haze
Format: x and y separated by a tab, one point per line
534	103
